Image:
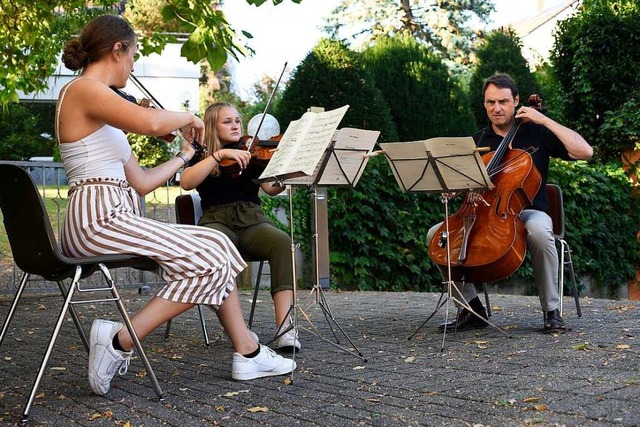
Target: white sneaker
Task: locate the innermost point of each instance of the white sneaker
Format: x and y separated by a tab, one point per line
288	342
104	360
266	364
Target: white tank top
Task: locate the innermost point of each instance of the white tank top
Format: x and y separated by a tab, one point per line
101	154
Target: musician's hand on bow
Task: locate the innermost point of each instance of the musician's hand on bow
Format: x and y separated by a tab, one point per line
241	157
194	131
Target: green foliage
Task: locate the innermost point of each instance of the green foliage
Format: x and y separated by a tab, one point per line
377	234
550	91
330	77
20	131
621	128
501	53
597	60
150	151
32	35
425	101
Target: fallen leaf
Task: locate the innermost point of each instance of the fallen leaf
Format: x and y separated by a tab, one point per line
357	368
410	359
541	407
58	368
235	393
108	414
220	408
42	307
258	409
623	346
287	381
372	400
532	399
40	395
584	346
95	416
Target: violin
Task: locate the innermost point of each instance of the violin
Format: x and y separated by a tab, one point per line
261	152
147	102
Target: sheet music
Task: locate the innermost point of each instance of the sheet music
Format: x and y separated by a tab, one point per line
344	160
437	164
349	158
303	143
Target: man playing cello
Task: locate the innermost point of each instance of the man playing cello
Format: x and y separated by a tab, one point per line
548	139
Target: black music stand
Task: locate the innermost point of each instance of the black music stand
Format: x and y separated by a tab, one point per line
342	166
445	166
301	151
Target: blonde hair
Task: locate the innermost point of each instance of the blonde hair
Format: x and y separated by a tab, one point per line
212	140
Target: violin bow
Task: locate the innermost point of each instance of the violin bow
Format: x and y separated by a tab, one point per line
266	108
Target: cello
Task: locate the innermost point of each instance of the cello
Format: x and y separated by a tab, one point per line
487	238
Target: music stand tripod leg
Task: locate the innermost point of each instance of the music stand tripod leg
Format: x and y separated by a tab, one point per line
321	301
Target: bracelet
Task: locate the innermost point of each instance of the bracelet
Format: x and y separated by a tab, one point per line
184	158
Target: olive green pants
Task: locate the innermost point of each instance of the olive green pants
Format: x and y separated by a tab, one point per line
254	234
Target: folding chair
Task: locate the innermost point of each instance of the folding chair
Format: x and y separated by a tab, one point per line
189	211
556	212
36	252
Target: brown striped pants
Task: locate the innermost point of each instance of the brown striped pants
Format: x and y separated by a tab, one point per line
103	217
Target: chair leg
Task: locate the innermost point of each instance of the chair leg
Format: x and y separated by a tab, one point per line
255	294
167	330
52	341
75	318
561	275
203	323
486	299
132	332
14	305
566	251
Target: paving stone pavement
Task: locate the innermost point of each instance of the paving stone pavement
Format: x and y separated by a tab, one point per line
515	376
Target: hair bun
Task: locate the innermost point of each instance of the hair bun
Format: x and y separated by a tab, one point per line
74	56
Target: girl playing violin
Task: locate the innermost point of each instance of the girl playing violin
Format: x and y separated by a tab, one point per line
231	204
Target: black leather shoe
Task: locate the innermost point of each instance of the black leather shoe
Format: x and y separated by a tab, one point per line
553	321
451	324
467	320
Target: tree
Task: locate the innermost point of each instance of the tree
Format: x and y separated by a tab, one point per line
329	77
32	35
443	26
425	100
19	137
500	53
596	57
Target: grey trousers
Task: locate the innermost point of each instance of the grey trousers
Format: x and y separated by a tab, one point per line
544	260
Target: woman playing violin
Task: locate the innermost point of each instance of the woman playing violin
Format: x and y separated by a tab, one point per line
231	204
104	214
546	138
